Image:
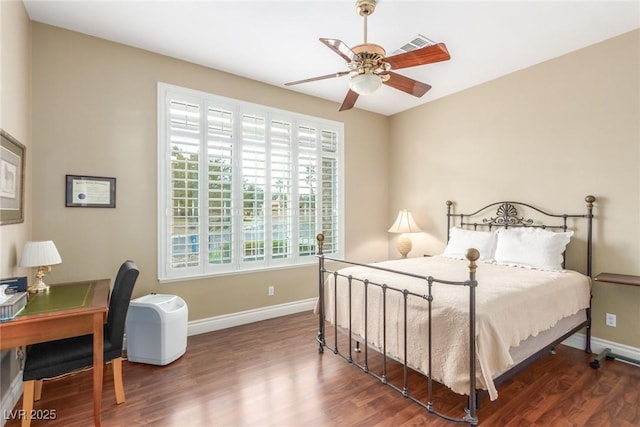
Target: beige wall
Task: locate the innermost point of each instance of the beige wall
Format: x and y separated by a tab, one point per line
550	135
15	118
95	114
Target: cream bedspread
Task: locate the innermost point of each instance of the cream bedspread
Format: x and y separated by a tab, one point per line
512	304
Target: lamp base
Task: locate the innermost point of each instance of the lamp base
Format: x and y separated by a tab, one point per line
39	287
404	245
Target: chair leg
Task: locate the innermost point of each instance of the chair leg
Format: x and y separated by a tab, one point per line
27	402
38	390
117	380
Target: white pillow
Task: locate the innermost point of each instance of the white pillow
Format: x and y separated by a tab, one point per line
531	248
460	240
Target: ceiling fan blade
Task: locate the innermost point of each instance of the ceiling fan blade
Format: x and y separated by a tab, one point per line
341	49
349	100
426	55
407	85
313	79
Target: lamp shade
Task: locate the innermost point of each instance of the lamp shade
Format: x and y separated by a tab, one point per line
365	84
404	223
36	254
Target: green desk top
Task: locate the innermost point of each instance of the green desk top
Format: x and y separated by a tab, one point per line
63	297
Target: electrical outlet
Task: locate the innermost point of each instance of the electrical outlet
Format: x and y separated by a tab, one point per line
271	290
610	320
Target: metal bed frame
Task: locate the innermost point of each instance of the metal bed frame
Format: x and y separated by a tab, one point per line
506	216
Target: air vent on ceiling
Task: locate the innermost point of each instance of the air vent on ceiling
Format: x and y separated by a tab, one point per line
418	42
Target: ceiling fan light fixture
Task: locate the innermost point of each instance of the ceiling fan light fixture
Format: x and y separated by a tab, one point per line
365	84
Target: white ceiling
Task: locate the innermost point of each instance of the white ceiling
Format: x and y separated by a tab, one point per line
277	41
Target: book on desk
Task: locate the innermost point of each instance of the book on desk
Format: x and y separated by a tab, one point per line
17	284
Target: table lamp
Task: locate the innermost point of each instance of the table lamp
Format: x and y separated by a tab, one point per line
404	224
42	255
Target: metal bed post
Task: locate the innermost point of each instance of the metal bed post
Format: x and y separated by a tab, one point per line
321	342
429	299
589	199
366	325
405	365
384	334
448	203
335	314
349	310
472	255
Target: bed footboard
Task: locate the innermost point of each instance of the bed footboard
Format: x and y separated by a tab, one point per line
469	414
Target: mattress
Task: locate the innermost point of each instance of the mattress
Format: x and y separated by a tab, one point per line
533	344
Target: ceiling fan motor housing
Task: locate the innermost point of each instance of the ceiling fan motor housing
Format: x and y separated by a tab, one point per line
371	59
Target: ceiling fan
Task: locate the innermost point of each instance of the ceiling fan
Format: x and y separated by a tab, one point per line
368	67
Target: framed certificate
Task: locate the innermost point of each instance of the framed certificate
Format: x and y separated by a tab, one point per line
90	192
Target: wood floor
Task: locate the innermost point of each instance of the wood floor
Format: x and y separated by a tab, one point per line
271	374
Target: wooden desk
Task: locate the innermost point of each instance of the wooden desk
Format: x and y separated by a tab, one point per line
618	279
46	318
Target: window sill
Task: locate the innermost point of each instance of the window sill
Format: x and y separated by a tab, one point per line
311	262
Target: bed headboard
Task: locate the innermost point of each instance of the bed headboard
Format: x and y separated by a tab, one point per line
505	215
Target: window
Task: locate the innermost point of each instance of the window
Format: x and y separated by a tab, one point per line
243	186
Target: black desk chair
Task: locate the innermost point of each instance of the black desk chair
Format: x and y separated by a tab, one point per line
54	358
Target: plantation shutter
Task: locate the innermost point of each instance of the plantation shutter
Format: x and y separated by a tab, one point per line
281	190
307	193
184	136
254	164
329	187
220	144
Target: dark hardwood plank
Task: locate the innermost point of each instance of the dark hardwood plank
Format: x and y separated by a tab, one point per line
270	374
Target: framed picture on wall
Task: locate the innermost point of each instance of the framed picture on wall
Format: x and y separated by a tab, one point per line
12	156
90	191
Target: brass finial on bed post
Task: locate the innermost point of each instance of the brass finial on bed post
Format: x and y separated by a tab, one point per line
320	239
590	199
473	255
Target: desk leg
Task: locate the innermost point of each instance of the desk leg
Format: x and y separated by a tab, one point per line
98	365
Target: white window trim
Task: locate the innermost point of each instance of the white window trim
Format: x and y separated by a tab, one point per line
164	189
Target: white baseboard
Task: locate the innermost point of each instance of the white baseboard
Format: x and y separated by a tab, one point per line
211	324
11	398
598	344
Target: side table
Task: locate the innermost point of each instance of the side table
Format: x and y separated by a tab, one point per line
618	279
